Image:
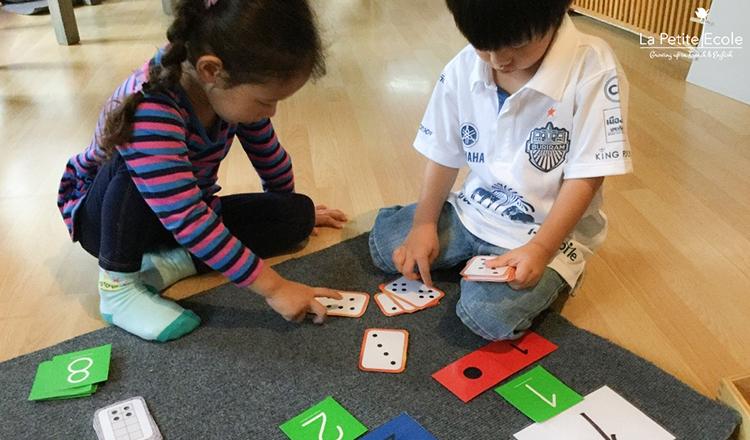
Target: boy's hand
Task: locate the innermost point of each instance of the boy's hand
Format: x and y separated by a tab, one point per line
529	261
332	218
420	248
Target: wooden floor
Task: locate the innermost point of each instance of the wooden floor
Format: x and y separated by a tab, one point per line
671	283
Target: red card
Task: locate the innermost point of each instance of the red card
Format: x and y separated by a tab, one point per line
482	369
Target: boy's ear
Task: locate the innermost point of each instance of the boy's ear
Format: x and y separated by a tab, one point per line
209	68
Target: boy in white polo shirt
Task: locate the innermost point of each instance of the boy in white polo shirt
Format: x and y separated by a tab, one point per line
536	109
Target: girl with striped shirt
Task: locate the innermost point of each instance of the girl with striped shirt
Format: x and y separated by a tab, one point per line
142	197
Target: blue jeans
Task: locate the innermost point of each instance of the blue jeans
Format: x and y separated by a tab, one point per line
493	311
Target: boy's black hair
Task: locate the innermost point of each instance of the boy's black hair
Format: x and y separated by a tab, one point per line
494	24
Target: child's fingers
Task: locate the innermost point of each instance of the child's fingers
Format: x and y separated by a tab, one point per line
337	215
315	232
398	257
320	207
327	293
502	260
408	269
424	270
319	311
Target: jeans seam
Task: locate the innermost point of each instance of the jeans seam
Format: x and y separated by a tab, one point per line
376	255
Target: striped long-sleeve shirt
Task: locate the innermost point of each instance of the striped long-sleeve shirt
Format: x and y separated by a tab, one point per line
174	165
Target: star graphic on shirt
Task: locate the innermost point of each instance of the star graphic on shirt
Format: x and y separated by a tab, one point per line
551	112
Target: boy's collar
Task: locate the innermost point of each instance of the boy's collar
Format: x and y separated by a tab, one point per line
552	75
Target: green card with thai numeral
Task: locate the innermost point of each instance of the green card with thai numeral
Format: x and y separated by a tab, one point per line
539	394
327	419
72	375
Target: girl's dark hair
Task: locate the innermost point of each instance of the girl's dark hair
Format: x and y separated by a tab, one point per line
494	24
257	41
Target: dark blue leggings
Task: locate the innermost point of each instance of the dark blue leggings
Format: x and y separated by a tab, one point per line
116	225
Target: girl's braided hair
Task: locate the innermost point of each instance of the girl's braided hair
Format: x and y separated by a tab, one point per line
257	41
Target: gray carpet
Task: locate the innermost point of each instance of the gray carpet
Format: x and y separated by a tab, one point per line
245	370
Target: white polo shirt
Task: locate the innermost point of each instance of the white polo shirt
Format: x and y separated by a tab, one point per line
567	122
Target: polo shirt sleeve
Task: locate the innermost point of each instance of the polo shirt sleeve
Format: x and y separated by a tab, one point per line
599	143
438	138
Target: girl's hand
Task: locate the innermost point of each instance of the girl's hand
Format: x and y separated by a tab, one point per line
529	261
420	248
332	218
293	301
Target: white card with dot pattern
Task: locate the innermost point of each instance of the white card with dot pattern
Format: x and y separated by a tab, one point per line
415	293
126	420
384	350
351	304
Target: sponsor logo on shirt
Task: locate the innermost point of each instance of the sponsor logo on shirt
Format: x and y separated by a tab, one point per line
442	78
503	200
612	89
425	130
469	134
547	147
602	154
613	125
474	157
567	248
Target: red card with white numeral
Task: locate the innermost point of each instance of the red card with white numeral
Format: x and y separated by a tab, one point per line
482	369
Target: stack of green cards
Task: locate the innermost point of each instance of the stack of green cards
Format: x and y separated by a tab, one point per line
71	375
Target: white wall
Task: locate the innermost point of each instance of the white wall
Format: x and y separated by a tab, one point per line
730	76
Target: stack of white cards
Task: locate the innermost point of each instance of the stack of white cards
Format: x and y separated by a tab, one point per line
477	270
126	420
406	296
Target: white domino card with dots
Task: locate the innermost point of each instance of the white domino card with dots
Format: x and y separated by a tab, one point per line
415	293
387	305
478	271
126	420
351	304
384	350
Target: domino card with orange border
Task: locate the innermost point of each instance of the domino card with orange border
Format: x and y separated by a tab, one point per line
476	270
351	305
384	350
414	293
387	305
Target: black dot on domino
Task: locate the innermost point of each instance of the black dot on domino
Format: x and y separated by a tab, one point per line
380	345
114	411
432	296
473	373
351	299
329	306
128	414
126	408
393	362
385	353
117	418
374	335
341	307
393	308
421	296
352	308
421	291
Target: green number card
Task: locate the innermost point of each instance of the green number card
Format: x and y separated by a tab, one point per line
72	375
539	394
323	421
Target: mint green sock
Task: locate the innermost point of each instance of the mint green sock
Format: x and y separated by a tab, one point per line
162	268
128	303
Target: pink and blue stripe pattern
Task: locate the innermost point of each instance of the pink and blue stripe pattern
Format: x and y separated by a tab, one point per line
174	165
